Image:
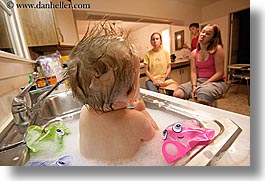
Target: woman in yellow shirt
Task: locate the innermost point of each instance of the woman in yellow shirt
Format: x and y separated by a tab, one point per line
157	63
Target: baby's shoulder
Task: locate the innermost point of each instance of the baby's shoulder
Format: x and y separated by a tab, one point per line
138	118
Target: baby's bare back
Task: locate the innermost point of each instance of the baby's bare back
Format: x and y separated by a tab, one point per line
114	135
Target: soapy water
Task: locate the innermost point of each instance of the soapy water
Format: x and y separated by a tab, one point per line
149	153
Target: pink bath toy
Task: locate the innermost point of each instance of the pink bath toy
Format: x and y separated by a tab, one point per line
179	139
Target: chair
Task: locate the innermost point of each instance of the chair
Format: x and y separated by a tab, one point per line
168	87
215	103
237	78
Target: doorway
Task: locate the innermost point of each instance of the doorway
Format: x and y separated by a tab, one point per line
240	37
239	51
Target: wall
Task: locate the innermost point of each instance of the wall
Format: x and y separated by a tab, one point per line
166	9
141	37
172	9
81	26
221	16
223	8
13	75
141	34
187	38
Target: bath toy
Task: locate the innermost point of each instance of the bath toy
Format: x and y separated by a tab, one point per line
39	138
179	139
62	161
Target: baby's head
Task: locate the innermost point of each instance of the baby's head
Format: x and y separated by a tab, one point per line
104	69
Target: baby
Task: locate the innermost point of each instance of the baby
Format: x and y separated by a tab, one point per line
104	75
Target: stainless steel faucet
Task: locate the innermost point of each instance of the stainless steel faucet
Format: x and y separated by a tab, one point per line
20	109
25	115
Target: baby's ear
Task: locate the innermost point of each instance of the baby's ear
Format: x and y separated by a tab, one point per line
104	80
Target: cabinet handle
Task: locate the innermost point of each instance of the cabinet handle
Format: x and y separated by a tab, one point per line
60	35
181	71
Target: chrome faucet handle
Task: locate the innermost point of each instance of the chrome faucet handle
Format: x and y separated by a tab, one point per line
18	103
20	114
20	109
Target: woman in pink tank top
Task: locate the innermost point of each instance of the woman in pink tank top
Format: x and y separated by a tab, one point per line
207	68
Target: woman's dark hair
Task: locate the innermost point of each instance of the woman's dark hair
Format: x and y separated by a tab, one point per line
196	25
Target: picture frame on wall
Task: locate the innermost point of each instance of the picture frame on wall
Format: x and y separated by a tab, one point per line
179	40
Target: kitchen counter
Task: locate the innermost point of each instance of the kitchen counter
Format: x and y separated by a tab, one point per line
238	154
177	64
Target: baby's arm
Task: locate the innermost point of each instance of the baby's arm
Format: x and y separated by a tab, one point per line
140	106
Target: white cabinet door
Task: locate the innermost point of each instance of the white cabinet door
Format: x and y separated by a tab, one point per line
181	75
176	75
65	24
49	26
185	74
38	24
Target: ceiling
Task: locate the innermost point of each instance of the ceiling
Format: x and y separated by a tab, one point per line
126	20
86	15
132	26
199	3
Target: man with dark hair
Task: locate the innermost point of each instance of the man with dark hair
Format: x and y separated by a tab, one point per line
194	29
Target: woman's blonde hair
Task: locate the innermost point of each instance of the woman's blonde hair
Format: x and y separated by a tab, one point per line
103	67
215	41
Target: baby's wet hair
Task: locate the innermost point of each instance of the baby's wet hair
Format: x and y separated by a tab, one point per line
103	67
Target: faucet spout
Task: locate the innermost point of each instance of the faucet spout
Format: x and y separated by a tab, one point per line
25	115
35	109
43	97
20	108
26	89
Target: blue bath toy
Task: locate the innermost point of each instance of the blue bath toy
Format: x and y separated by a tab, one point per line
39	138
62	161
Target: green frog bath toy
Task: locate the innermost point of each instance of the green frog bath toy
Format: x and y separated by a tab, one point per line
46	137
